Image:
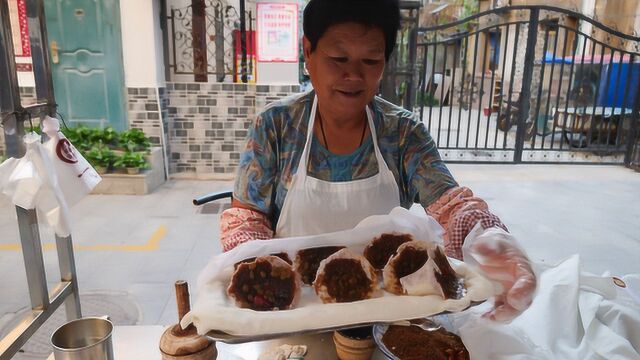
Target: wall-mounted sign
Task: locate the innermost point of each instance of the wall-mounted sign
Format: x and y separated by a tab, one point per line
277	32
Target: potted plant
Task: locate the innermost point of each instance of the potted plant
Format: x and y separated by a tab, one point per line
110	137
101	157
134	140
132	161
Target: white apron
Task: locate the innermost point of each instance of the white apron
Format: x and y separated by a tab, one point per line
314	206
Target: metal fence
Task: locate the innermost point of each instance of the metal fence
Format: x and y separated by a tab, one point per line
527	84
209	37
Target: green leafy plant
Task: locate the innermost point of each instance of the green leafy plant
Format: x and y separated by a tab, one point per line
134	140
110	136
100	156
131	160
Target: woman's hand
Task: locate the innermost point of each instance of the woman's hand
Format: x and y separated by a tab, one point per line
497	254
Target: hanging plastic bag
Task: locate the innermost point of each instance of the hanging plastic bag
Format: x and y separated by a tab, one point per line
76	177
49	177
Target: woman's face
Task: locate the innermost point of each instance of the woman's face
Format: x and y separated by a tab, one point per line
346	68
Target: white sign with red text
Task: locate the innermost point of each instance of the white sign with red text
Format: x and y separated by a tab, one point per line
277	32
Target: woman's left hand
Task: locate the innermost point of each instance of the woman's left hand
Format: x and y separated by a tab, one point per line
497	254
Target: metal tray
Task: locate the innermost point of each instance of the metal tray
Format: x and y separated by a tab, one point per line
240	339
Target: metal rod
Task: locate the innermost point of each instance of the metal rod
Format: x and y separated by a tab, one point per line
614	103
413	40
633	133
534	122
473	77
502	83
629	79
173	40
569	89
546	111
199	40
584	109
600	132
592	122
511	80
481	89
444	68
67	265
555	111
491	84
423	82
525	94
33	260
165	39
243	43
460	102
433	74
452	91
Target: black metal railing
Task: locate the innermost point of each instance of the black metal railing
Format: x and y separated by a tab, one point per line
528	84
209	37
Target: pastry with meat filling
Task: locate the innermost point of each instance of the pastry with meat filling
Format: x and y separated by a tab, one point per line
345	277
268	283
382	248
409	258
308	260
435	276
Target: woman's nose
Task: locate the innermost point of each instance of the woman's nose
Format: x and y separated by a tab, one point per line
353	71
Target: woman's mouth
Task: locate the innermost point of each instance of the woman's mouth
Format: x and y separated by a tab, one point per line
350	93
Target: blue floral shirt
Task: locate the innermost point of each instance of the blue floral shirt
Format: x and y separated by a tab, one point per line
276	140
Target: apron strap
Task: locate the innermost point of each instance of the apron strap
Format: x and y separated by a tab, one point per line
304	159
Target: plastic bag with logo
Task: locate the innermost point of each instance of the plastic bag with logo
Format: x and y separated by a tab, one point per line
49	177
76	177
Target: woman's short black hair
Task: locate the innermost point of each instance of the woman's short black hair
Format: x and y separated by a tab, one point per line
319	15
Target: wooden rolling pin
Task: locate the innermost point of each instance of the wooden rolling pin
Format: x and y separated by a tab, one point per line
179	344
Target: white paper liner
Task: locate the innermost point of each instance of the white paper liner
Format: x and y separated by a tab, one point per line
214	310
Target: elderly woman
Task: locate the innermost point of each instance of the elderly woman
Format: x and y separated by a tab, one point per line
324	160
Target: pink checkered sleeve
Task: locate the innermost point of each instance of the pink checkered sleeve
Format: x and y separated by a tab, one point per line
458	211
238	225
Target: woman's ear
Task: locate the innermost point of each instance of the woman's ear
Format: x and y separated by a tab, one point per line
306	48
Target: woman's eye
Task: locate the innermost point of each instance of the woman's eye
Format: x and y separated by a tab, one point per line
371	61
339	59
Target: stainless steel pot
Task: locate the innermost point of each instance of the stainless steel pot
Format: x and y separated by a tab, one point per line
83	339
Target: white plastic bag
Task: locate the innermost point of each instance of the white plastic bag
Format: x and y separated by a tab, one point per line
49	177
76	177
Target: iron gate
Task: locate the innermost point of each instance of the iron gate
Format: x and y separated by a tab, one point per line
528	84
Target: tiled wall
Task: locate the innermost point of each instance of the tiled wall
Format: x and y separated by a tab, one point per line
203	126
207	123
145	113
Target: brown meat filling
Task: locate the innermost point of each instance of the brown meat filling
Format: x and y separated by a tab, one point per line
383	248
452	284
308	261
409	261
345	280
414	343
259	286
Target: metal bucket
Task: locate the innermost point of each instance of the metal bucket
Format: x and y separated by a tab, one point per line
83	339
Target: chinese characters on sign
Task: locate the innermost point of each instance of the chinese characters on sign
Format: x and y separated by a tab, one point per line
277	32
